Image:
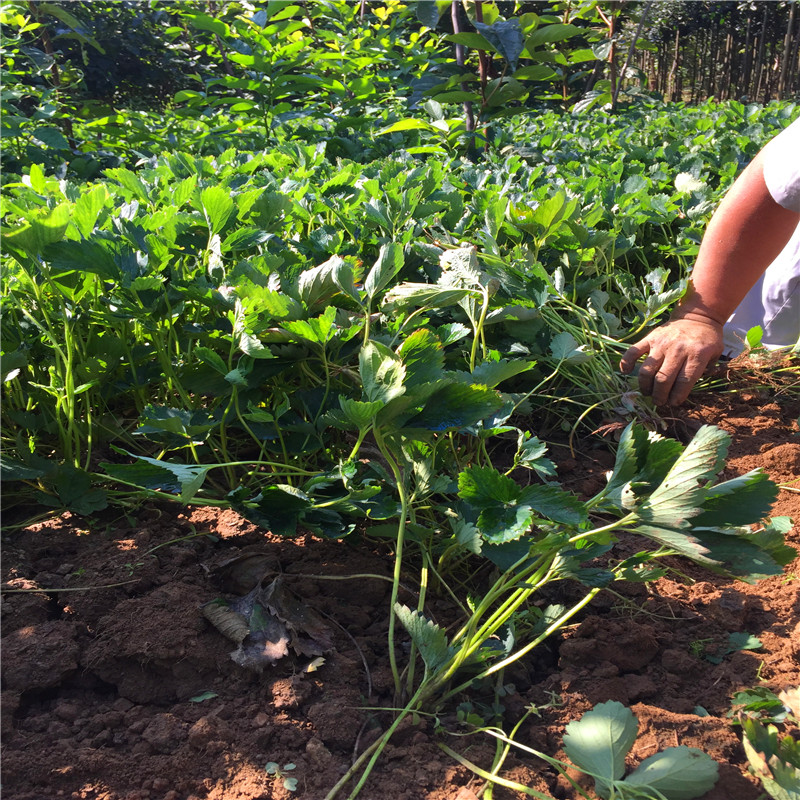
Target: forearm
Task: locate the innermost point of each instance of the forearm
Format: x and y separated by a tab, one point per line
746	233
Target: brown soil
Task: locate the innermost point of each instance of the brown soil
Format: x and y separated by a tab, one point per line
103	688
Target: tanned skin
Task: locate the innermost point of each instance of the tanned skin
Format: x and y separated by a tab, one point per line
747	232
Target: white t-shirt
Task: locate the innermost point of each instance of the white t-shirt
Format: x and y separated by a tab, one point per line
782	167
774	302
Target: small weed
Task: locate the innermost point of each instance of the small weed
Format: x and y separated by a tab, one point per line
698	647
773	750
279	773
736	641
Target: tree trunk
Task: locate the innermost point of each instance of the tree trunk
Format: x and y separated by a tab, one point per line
469	116
647	6
226	65
794	66
674	67
695	60
787	52
760	57
745	77
47	46
612	57
712	63
769	83
725	78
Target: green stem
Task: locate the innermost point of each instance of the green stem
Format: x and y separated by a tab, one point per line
379	746
518	787
423	589
559	623
478	330
398	557
501	754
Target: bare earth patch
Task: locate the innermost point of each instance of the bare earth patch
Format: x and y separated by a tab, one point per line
128	693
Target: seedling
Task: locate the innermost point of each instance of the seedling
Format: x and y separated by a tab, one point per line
763	704
273	768
736	641
698	647
599	742
773	752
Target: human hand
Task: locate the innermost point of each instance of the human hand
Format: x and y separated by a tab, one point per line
677	354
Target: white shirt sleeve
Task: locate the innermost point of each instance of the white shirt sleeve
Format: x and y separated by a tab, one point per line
782	167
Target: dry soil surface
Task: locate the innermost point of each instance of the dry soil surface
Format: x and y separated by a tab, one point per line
115	687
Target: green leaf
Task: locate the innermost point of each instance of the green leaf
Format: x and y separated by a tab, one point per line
252	346
217	206
204	22
317	330
491	373
279	508
534	72
423	357
531	455
428	13
504	523
457	96
382	372
319	285
754	336
35	179
506	37
740	555
600	740
87	208
60	13
554	503
423	295
744	500
468	536
74	492
208	356
51	138
456	405
244	239
775	760
679	773
741	640
564	347
430	639
474	40
553	32
203	696
389	263
484	487
410	124
359	413
40	230
150	473
681	495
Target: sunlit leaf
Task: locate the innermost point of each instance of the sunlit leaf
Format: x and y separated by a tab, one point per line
599	741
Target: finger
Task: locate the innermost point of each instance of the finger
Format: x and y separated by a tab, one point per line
685	379
632	355
647	373
663	381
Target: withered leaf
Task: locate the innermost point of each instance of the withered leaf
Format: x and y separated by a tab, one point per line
266	622
230	624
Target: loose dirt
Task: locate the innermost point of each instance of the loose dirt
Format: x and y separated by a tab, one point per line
115	687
